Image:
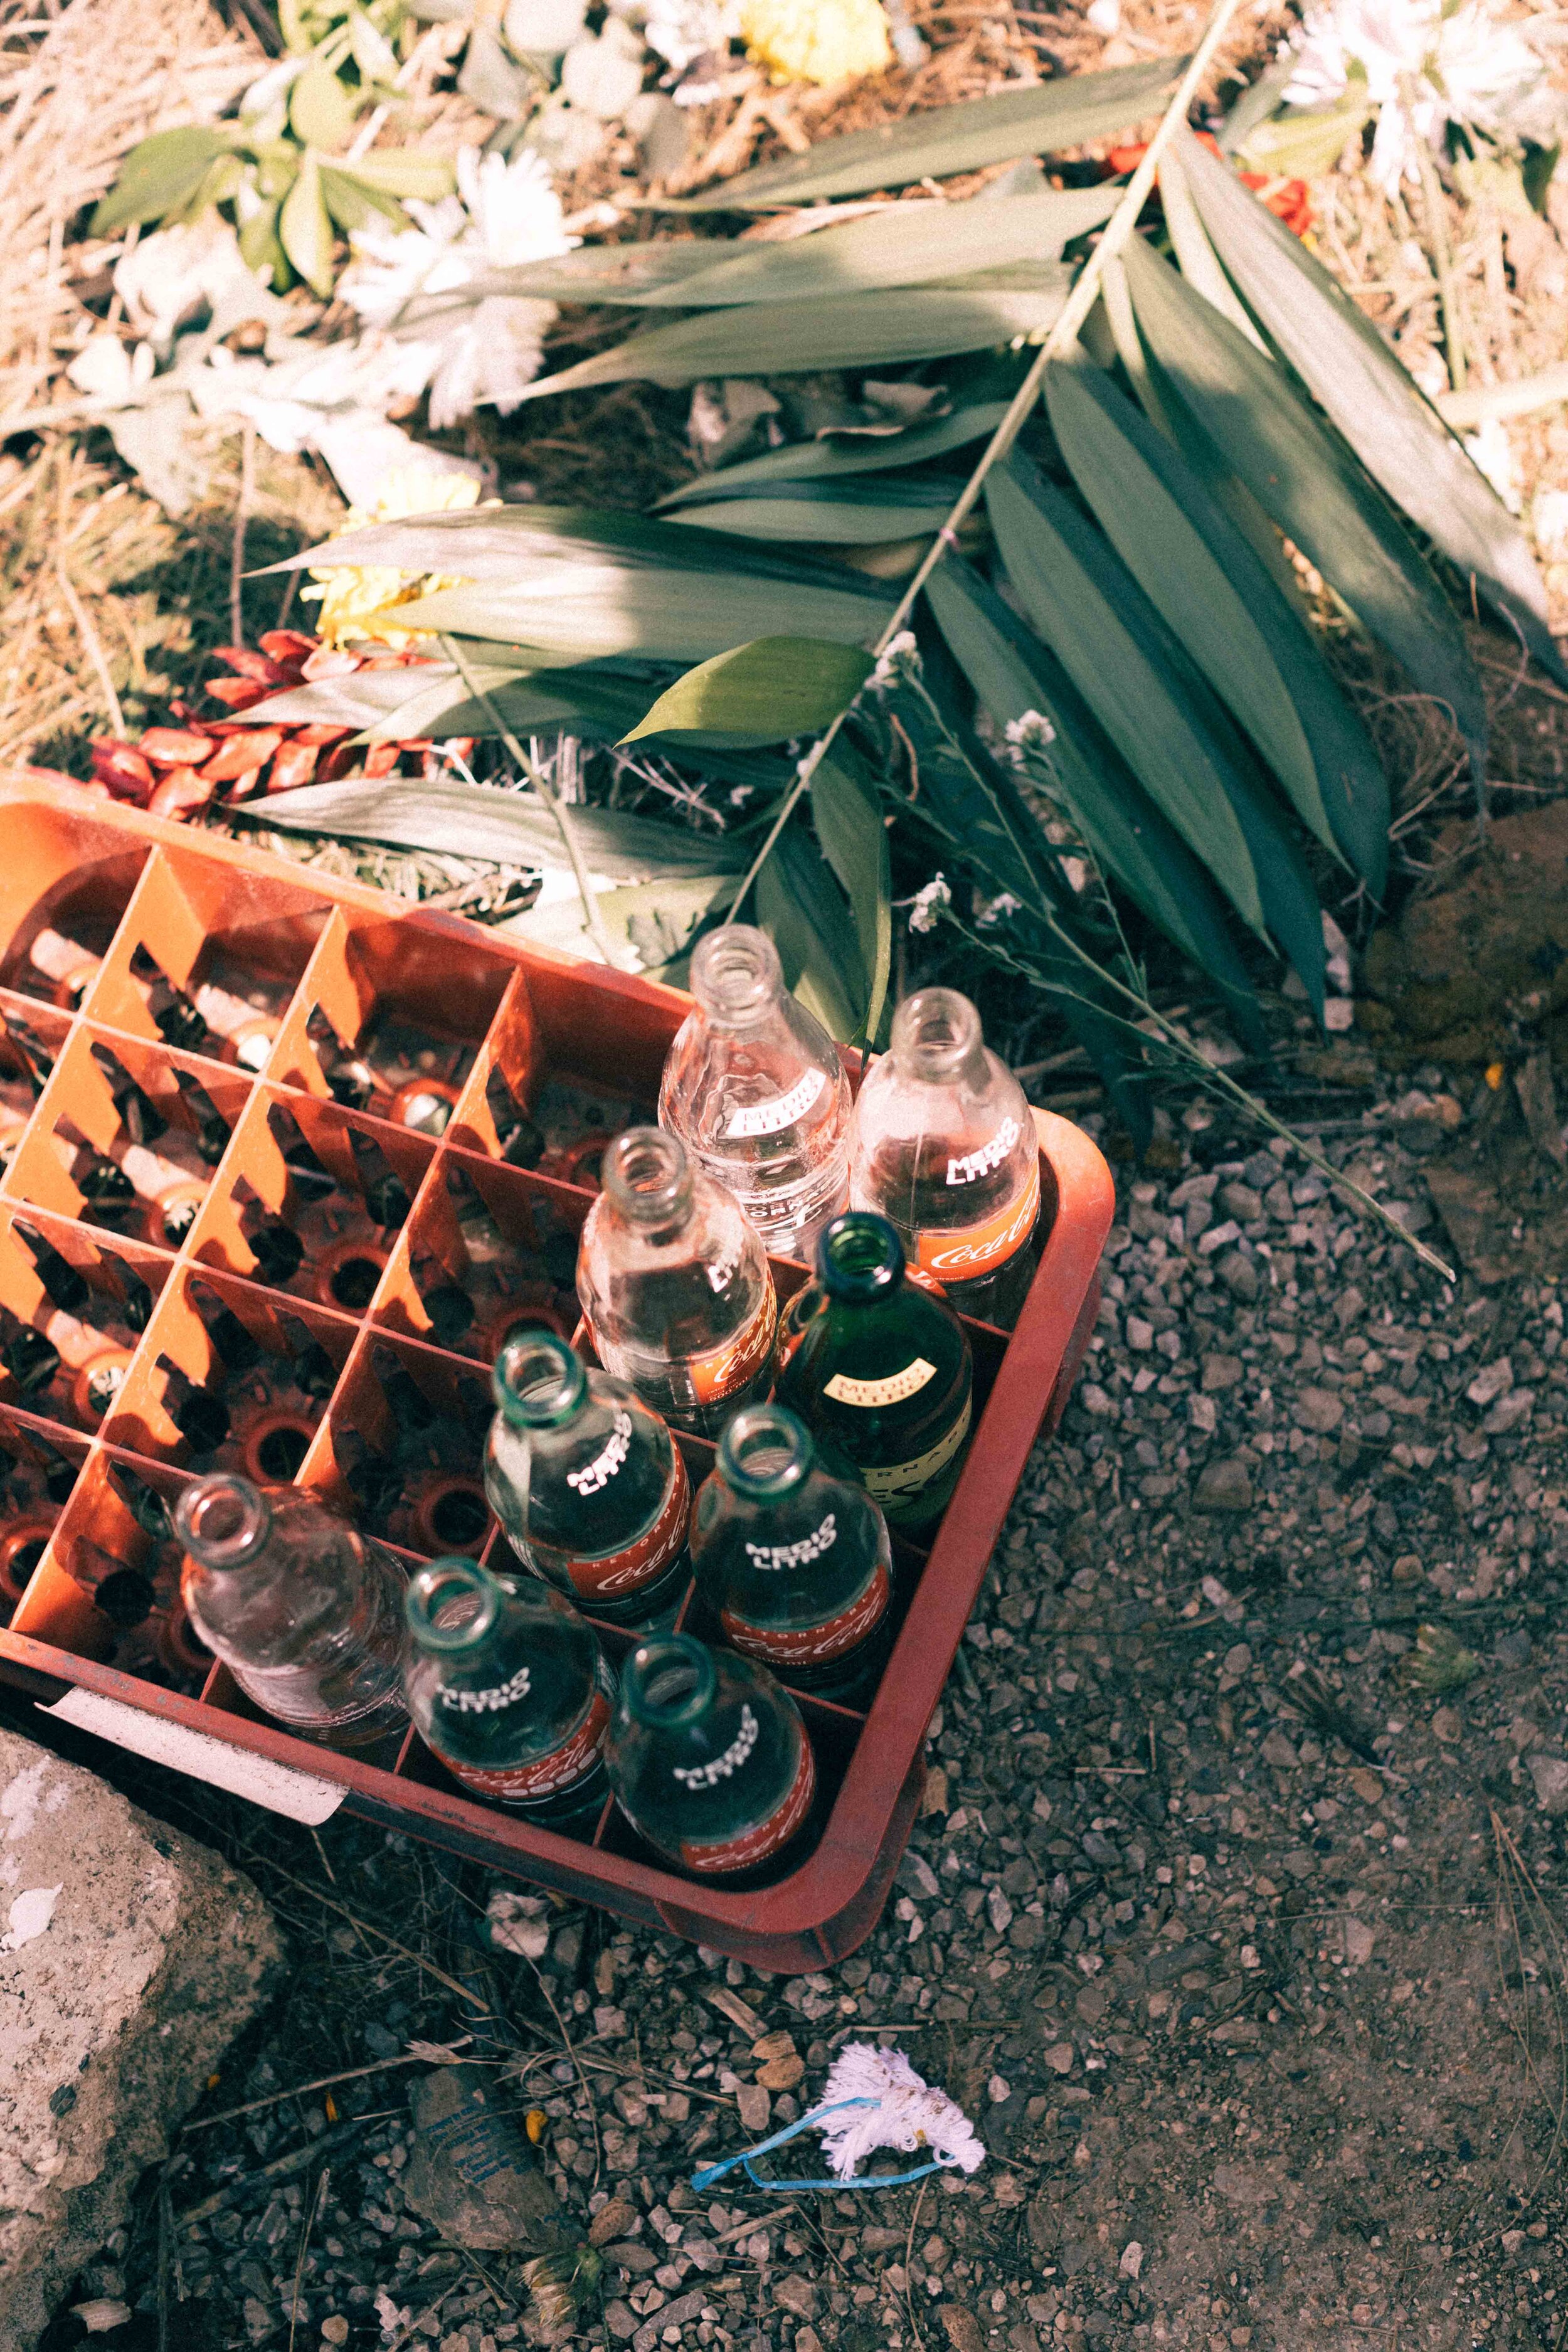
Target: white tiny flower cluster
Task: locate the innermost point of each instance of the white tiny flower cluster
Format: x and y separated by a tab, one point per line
1031	732
898	665
991	911
924	908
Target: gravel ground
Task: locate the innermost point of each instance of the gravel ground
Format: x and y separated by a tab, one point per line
1233	1917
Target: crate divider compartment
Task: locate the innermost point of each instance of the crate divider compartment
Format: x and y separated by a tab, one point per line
41	1465
71	870
193	922
97	1336
444	1245
400	1447
32	1039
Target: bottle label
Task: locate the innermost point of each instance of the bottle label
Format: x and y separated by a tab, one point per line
529	1784
596	1475
796	1555
718	1375
962	1252
616	1573
809	1645
970	1166
772	1117
893	1481
893	1389
754	1845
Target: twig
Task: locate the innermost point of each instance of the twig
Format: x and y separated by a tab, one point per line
1433	202
80	615
1465	409
429	1966
909	2250
322	2178
547	794
324	2082
1075	310
241	517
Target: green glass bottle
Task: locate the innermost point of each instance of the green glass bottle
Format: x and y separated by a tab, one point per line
506	1685
793	1563
880	1367
709	1759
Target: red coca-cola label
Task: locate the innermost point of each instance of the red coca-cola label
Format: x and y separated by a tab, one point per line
718	1375
811	1645
964	1253
548	1776
616	1573
755	1845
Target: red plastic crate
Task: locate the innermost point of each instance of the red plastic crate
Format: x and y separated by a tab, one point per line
347	972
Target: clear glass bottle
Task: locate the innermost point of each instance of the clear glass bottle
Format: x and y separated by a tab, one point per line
306	1612
506	1685
587	1483
880	1367
754	1089
944	1147
793	1563
709	1759
675	1283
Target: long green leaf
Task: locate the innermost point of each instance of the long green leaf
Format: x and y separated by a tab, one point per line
835	459
759	693
804	913
402	171
430	700
594	273
305	228
157	176
1014	674
859	331
848	819
1394	431
908	245
654	922
1267	436
1212	590
1163	718
508	828
825	515
1040	121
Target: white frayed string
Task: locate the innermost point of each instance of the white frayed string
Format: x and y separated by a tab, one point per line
874	2099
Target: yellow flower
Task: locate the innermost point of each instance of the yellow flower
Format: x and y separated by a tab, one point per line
361	600
816	40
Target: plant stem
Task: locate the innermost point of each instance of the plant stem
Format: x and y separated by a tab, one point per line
547	794
1434	205
1119	228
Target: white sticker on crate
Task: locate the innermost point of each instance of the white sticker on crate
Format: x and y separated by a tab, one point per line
281	1788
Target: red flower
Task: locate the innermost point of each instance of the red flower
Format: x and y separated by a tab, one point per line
1289	200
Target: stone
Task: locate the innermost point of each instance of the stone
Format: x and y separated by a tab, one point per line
797	2294
1359	1940
964	2332
1550	1774
1131	2262
611	2220
1318	1410
1060	2057
1241	1277
1491	1381
129	1957
1221	1372
755	2105
1223	1487
471	2171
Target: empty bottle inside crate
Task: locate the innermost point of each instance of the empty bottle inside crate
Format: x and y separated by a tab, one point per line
587	1483
197	1409
880	1367
305	1612
676	1286
754	1087
507	1686
711	1761
63	1354
34	1056
793	1562
944	1147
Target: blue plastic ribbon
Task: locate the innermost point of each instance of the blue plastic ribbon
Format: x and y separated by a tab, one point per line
712	2172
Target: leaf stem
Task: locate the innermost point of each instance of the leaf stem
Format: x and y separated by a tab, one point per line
1080	301
547	794
1438	230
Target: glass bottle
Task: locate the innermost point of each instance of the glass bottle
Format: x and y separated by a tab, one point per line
708	1759
944	1147
388	1198
674	1280
305	1612
793	1562
506	1685
754	1089
880	1367
588	1484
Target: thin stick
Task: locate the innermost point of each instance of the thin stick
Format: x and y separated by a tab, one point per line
323	2082
317	2201
1085	291
1438	230
595	920
429	1966
79	615
241	517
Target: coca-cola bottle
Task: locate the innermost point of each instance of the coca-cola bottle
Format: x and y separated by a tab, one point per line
587	1483
506	1685
754	1087
674	1280
944	1147
793	1562
880	1367
709	1759
305	1612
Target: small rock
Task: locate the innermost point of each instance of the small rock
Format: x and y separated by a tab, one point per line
782	2074
755	2105
1447	1725
1060	2057
1131	2262
335	2328
998	1910
101	2314
797	2294
1318	1410
1512	1649
621	2320
1140	1335
1223	1487
1240	1202
1550	1774
1367	1785
1491	1381
1508	1411
1241	1277
1278	1751
1359	1941
1221	1372
964	2332
611	2220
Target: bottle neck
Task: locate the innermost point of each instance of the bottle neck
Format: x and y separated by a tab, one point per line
539	1382
668	1685
453	1608
766	1454
650	1182
860	1260
224	1522
936	1040
736	977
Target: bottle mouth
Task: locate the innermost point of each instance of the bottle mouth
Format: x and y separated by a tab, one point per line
736	973
222	1520
765	1451
934	1034
538	1380
646	1174
451	1605
859	1255
668	1682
